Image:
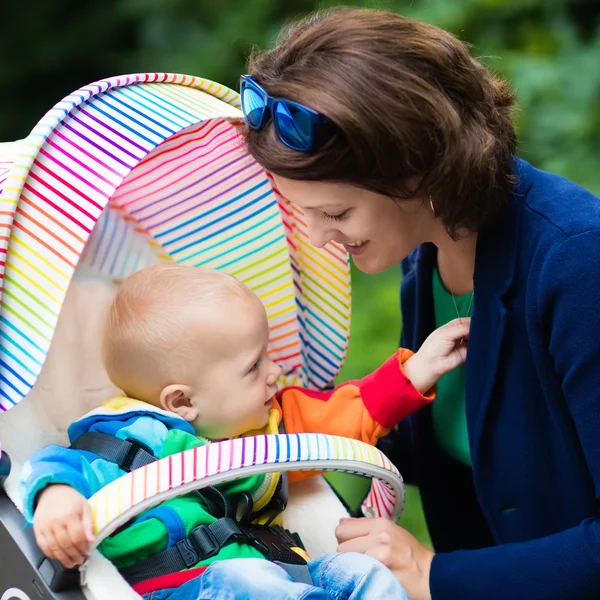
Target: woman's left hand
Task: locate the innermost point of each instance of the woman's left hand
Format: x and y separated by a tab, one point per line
397	549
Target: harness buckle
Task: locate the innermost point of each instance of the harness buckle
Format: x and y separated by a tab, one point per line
135	447
188	553
204	542
275	543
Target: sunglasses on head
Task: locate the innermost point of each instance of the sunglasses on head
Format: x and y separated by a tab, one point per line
296	125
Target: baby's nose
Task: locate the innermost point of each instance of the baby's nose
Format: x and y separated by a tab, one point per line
274	375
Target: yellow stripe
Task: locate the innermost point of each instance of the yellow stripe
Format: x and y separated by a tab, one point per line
345	296
119	486
281	312
344	315
106	507
322	257
275	290
94	506
275	302
11	265
20	242
306	260
27	323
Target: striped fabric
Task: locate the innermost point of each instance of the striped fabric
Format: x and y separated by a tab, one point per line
215	463
139	169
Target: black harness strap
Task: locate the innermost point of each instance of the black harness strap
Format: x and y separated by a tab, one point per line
128	454
206	541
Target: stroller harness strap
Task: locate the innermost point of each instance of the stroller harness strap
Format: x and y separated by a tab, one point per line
127	454
205	541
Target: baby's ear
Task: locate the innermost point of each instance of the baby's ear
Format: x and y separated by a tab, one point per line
176	398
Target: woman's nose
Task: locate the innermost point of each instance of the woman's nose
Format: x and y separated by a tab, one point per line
320	236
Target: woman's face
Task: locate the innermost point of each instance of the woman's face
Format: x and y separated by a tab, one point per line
377	231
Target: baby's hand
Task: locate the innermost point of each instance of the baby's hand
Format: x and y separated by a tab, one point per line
62	525
443	351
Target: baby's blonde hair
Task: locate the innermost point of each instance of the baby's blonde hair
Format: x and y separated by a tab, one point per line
146	342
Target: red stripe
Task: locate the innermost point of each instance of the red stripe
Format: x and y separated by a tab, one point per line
57	208
47	246
70	186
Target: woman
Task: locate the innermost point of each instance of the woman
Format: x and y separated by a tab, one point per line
398	144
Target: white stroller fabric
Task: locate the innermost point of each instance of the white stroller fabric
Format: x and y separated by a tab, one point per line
115	151
73	374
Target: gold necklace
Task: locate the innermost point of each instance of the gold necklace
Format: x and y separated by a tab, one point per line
456	306
461	341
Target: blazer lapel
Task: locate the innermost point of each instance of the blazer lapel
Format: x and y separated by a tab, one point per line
495	266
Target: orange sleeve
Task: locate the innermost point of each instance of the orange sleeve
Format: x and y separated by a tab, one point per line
364	410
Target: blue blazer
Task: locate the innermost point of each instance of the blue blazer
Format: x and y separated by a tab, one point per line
532	404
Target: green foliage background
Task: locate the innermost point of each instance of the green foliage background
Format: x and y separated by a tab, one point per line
549	49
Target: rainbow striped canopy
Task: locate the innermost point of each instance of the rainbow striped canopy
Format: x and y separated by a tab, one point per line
147	168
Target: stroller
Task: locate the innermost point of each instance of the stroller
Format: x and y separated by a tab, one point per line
122	174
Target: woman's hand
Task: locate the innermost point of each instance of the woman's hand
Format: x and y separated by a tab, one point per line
443	351
397	549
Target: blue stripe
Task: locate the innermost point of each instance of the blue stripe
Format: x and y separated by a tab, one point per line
311	370
2	378
11	355
310	348
3	393
327	443
107	243
120	246
299	445
308	454
15	374
147	109
237	235
236	209
6	322
212	210
287	449
277	448
115	98
163	104
113	119
223	229
336	333
248	242
250	253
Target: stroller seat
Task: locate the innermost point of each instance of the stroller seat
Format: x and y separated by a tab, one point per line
122	174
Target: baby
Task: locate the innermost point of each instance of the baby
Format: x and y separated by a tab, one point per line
188	348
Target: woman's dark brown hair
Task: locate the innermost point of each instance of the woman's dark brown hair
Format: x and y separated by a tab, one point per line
407	102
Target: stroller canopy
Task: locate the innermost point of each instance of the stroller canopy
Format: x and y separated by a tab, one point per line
146	168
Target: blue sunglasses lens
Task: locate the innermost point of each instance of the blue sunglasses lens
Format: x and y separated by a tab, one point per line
253	105
294	125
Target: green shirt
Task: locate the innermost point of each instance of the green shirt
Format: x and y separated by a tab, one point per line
448	409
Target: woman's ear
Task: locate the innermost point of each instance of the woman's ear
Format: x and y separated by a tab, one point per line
177	398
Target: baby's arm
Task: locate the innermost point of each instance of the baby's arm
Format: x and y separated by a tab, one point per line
57	482
63	525
368	408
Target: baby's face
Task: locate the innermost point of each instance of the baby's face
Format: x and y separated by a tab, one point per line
234	393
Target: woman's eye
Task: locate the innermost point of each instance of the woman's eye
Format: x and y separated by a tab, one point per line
337	217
